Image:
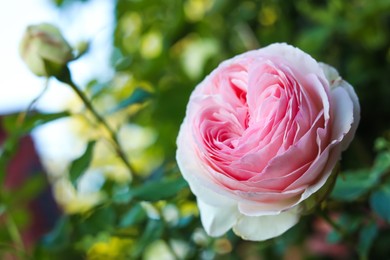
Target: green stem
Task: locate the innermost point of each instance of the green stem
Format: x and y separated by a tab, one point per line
345	235
334	225
118	149
14	233
23	115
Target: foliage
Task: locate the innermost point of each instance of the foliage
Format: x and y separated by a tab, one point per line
162	49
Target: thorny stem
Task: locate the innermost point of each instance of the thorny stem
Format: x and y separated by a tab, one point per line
118	149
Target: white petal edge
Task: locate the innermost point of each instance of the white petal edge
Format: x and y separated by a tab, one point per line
217	220
335	81
356	114
265	227
295	57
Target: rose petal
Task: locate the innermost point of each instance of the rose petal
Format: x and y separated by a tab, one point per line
217	220
356	114
265	227
296	59
342	113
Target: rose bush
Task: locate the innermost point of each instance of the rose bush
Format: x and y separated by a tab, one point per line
262	133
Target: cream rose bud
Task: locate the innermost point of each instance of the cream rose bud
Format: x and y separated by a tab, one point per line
261	135
44	50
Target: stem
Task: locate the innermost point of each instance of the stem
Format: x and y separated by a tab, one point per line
118	149
23	115
342	231
334	225
14	233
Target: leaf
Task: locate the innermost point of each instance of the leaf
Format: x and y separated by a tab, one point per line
101	219
134	216
158	190
380	202
7	150
381	165
137	97
95	88
123	63
349	223
121	194
366	237
353	184
59	237
11	122
152	232
81	164
30	189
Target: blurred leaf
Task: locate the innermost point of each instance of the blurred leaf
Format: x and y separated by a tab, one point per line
7	150
133	216
333	237
352	184
137	97
79	165
152	232
95	88
380	202
32	120
381	164
21	215
59	237
101	219
30	189
158	190
349	222
123	63
366	238
121	194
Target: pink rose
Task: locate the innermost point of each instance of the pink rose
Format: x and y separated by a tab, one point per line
262	133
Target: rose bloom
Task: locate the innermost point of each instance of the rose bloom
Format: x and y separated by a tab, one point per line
44	50
262	133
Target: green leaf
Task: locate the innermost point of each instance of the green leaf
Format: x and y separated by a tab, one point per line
59	237
380	202
121	194
353	184
137	97
381	165
81	164
7	150
366	237
333	237
13	122
95	88
152	232
349	223
30	189
101	219
134	216
158	190
123	63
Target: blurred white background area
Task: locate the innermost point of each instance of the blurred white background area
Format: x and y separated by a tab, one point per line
91	21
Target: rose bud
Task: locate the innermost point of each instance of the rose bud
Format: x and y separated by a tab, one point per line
261	136
44	50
